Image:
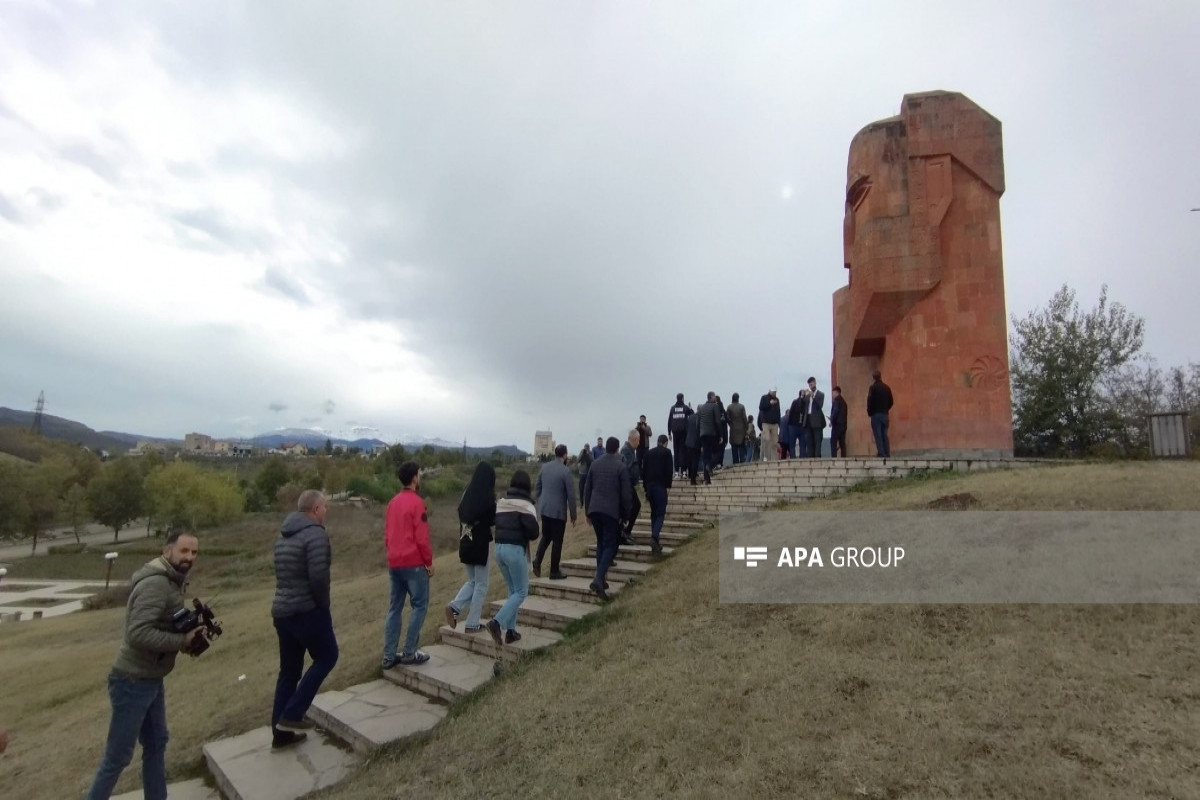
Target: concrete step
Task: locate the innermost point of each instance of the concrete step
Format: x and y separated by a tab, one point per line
624	571
481	643
450	672
669	524
635	552
548	612
642	536
571	588
195	789
372	714
246	768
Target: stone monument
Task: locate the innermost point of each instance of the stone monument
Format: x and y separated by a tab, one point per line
924	302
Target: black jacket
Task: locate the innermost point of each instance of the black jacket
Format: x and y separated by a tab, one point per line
516	518
302	558
659	467
837	413
710	419
692	437
607	489
768	412
473	545
796	412
677	419
879	398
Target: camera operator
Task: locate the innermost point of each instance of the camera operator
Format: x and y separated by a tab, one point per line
135	684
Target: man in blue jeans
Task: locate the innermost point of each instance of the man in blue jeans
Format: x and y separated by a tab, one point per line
410	565
608	498
302	619
879	403
656	478
147	655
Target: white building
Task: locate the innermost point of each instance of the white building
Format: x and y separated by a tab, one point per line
543	444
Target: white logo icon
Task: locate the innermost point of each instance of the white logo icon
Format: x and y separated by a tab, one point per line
751	555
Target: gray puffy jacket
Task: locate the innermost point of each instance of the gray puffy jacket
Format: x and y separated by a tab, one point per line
302	558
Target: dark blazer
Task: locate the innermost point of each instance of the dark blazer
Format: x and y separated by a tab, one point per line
837	413
607	489
659	468
816	419
796	412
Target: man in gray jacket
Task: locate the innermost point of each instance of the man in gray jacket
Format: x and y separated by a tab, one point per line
607	498
710	434
555	497
301	613
735	412
147	655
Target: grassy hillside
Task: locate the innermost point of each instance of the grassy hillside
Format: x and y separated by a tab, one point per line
677	694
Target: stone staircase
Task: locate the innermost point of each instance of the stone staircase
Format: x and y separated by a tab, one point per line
352	723
406	700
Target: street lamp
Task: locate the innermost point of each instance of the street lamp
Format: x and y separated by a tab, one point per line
110	558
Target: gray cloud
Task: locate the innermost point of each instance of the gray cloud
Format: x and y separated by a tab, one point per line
277	407
329	407
579	214
9	211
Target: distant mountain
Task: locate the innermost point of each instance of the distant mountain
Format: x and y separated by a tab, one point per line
315	439
70	431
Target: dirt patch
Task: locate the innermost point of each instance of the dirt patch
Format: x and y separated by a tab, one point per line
954	502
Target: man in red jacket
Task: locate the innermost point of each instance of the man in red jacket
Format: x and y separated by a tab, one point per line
410	563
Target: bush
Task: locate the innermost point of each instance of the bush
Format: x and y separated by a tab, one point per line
382	489
286	497
112	597
443	486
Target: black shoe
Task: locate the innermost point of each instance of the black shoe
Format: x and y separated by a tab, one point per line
494	629
627	539
656	548
558	576
596	590
511	636
294	725
286	739
537	570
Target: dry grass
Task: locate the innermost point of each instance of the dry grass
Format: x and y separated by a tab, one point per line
678	695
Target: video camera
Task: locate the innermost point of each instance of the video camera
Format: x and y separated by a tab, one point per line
198	616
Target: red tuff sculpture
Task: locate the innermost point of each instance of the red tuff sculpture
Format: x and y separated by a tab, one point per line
924	303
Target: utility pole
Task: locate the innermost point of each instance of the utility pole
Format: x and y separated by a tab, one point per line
37	413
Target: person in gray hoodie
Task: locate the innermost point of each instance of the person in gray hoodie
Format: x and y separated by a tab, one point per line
301	613
147	655
555	498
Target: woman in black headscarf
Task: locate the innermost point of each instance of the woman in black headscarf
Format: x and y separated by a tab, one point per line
476	515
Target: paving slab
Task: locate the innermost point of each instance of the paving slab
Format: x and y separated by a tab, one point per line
670	538
531	639
624	571
572	588
184	790
548	612
635	552
246	768
671	524
450	672
372	714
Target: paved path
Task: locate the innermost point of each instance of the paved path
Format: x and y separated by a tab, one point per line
95	536
354	722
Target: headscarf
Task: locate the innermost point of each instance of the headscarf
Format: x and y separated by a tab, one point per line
480	495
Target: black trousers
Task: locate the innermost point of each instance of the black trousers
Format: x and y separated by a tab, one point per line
693	462
633	513
552	537
709	448
681	450
815	435
739	451
837	441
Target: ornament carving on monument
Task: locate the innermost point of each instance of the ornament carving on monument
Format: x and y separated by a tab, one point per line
988	373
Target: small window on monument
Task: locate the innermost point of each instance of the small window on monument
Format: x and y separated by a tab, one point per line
858	192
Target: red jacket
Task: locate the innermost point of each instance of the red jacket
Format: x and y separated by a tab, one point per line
406	531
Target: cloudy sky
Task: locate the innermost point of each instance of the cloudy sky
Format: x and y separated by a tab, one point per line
476	219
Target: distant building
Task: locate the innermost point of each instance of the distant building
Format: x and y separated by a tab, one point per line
222	447
294	449
143	447
543	444
197	443
239	450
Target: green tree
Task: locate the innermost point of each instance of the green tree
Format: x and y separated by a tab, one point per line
116	495
1059	358
13	507
43	492
186	495
75	507
273	475
328	447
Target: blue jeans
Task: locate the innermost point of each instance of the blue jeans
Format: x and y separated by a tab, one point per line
474	591
656	495
514	566
607	532
785	438
139	715
798	443
748	451
410	582
311	632
879	427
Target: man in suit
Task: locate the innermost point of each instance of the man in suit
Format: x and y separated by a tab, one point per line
656	478
814	419
555	500
796	440
735	413
709	416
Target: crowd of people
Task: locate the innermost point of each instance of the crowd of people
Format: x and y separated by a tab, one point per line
609	474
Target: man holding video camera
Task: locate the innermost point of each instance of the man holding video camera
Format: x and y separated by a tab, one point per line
148	650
